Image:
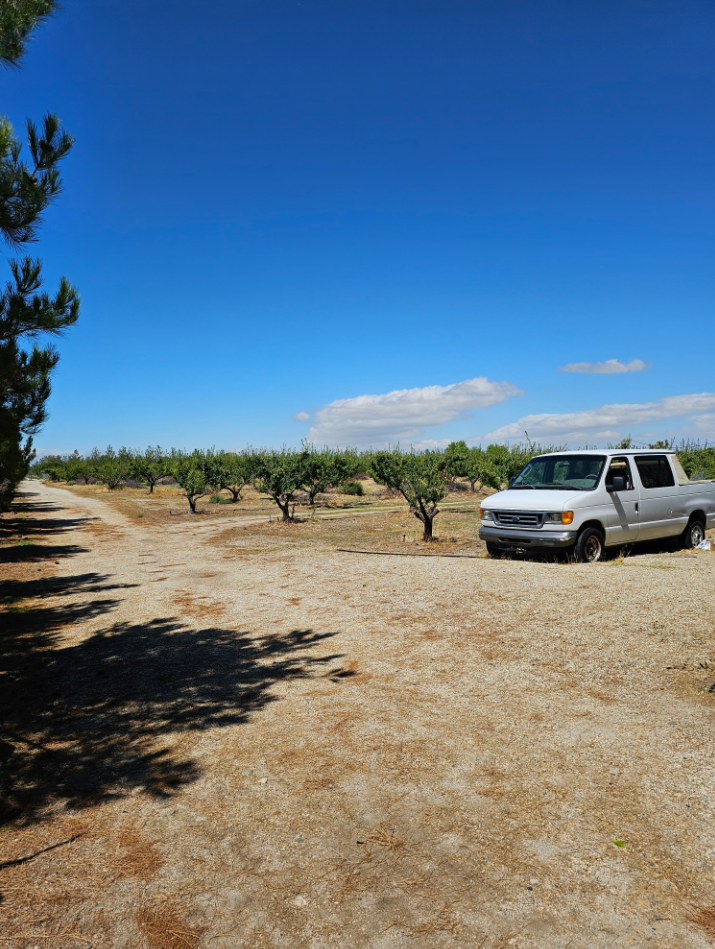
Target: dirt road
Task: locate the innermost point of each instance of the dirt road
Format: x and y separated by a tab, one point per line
236	743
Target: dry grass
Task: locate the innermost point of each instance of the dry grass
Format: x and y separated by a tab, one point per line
704	917
442	923
163	928
319	783
191	604
139	857
385	838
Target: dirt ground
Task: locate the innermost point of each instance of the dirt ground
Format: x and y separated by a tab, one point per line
235	733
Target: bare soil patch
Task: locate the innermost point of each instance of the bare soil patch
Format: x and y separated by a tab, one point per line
230	732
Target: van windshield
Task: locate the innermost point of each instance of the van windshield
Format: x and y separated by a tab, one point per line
562	472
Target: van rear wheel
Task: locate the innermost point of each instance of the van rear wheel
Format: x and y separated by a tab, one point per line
693	534
590	546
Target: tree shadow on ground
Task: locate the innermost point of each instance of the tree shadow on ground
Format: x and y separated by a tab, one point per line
86	720
91	720
34	553
58	586
22	537
17	523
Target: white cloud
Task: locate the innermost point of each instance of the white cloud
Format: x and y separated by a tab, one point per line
704	425
400	416
431	444
42	452
300	416
575	426
608	367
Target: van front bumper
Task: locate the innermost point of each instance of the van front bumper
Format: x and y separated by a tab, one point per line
511	538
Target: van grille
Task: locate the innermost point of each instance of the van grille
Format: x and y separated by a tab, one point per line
519	518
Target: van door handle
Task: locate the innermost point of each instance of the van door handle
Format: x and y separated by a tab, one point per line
637	508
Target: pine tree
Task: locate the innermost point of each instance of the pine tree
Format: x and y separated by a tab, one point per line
26	312
18	19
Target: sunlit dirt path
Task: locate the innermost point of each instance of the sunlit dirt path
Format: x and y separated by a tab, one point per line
234	746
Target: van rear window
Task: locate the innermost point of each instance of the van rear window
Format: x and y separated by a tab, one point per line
655	471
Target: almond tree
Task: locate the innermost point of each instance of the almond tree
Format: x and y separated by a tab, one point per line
479	468
325	468
115	467
190	474
455	459
231	471
241	469
149	466
76	468
420	478
280	474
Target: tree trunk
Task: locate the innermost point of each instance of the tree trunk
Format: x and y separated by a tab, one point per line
192	504
151	487
285	508
427	518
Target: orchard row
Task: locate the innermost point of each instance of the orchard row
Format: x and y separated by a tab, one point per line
423	478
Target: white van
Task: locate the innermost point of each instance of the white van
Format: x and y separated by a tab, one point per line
590	500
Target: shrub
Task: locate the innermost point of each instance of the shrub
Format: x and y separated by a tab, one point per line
352	487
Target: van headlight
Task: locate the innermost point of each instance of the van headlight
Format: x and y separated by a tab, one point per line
485	515
555	518
563	517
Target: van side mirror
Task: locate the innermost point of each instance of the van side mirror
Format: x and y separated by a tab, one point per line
512	480
618	484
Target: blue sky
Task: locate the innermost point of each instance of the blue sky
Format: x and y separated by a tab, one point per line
395	220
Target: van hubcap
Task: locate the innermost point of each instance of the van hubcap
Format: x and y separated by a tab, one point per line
696	534
593	549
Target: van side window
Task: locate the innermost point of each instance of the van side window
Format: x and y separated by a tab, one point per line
655	471
620	466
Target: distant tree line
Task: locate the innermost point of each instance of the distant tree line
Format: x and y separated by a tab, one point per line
289	476
280	475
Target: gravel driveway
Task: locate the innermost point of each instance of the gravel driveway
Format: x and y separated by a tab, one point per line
238	744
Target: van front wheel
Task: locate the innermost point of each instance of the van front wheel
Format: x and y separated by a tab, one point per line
590	546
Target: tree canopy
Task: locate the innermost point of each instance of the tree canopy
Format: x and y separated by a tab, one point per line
420	478
280	475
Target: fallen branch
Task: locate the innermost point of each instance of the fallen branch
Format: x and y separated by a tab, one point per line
21	860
